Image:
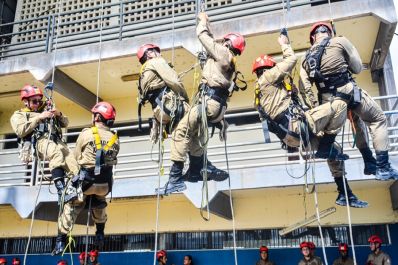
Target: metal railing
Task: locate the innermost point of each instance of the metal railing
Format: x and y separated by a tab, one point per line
120	23
246	149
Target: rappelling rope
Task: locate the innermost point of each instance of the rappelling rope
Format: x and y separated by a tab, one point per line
160	174
231	203
41	163
87	225
348	203
100	49
172	33
204	140
318	218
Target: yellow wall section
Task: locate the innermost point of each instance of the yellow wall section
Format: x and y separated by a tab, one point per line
259	208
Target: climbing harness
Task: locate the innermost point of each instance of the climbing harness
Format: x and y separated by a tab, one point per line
102	150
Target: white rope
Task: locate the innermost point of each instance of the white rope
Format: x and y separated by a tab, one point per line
330	10
348	205
231	204
319	226
100	50
87	225
160	173
60	5
284	14
42	162
172	35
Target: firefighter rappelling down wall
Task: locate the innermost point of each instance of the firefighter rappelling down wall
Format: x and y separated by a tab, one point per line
299	119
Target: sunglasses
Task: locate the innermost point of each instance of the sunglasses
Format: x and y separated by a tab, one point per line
36	101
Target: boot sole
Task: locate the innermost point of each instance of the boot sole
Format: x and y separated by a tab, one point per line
353	206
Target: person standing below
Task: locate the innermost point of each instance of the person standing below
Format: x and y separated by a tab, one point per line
16	261
308	257
377	256
83	258
3	261
161	257
264	259
344	258
188	260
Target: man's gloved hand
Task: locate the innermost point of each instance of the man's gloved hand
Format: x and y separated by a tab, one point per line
25	152
154	134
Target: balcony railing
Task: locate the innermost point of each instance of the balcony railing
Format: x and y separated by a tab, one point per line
122	20
137	159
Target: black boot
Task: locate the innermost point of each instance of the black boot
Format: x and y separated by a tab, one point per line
99	236
57	175
195	170
327	150
341	199
384	171
59	244
176	182
369	161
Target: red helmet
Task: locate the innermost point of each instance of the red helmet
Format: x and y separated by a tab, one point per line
3	260
263	61
304	245
160	254
82	256
141	51
375	239
311	245
94	253
105	109
16	261
238	41
317	25
62	262
29	91
343	247
263	248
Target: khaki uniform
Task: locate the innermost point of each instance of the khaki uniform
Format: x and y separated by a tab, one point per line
340	261
341	56
85	151
25	122
381	258
217	74
313	261
157	74
275	100
264	262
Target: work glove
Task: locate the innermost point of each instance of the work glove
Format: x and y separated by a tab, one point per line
154	134
25	152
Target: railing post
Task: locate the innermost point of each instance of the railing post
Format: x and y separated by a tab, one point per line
121	21
33	172
49	19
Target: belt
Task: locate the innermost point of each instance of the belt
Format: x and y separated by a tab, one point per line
218	94
333	81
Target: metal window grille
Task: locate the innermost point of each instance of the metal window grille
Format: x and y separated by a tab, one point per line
206	240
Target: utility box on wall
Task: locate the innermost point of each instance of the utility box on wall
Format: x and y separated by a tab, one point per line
394	195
